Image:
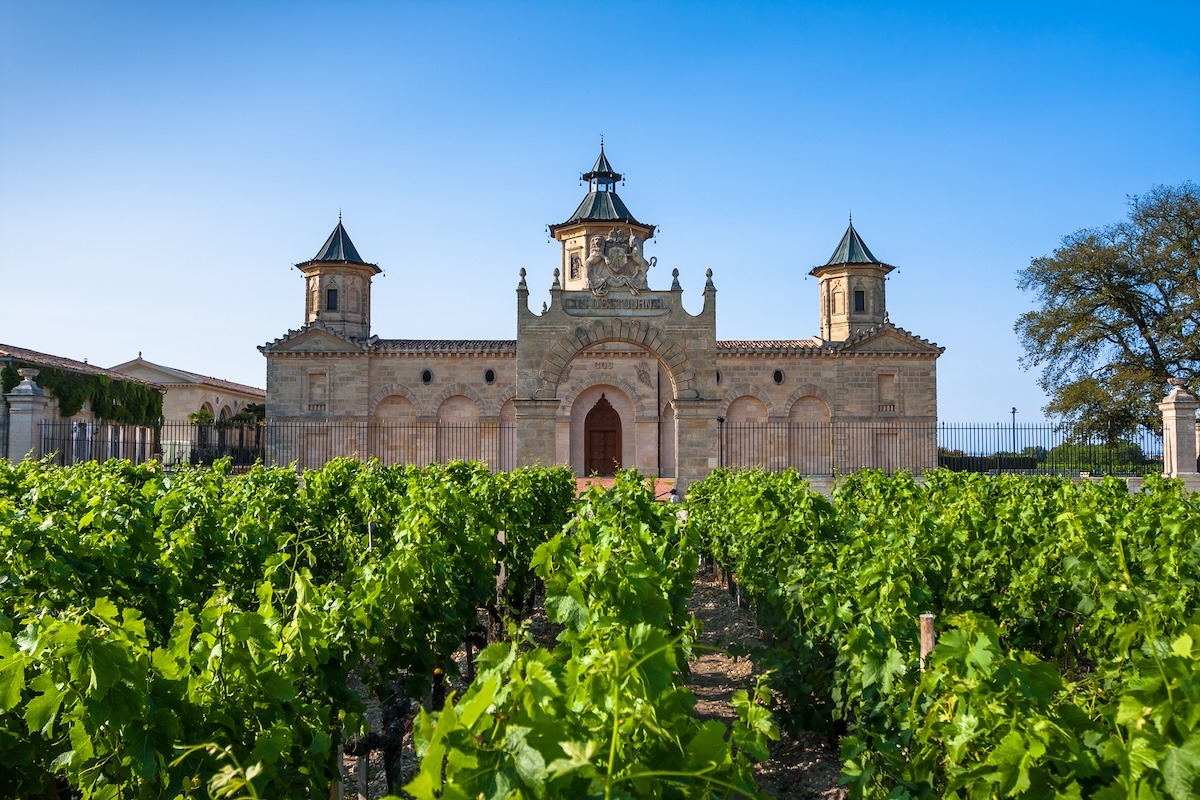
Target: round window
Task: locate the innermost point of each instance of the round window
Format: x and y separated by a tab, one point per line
718	376
426	377
778	376
489	377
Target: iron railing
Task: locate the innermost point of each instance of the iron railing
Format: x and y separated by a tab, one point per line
813	449
840	448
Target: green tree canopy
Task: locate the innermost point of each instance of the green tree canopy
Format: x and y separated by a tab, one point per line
1118	313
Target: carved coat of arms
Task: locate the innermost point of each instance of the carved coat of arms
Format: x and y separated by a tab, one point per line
616	261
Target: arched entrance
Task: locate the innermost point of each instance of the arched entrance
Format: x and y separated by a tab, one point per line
602	439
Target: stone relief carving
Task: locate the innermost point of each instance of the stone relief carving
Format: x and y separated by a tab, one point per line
643	373
617	261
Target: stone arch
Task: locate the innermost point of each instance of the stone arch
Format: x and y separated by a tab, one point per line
460	437
387	408
810	434
458	409
809	390
582	402
508	411
747	405
497	405
670	351
393	389
450	391
641	408
746	390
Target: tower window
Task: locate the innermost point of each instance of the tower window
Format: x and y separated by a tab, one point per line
860	300
575	266
331	300
426	377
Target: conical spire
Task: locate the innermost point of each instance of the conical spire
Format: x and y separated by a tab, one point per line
852	250
602	171
338	247
602	204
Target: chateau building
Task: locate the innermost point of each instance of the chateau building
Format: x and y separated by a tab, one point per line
610	373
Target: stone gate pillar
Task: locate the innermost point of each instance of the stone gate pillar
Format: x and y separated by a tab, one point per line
1179	432
696	440
28	406
535	434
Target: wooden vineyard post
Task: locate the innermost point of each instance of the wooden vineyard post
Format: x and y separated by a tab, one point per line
497	622
928	638
337	790
364	789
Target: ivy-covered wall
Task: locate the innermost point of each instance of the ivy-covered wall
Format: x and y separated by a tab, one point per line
124	402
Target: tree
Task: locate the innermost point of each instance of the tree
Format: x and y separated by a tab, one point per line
1118	314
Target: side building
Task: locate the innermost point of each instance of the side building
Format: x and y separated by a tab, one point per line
610	373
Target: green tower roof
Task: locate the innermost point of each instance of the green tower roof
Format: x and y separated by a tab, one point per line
602	203
338	247
852	250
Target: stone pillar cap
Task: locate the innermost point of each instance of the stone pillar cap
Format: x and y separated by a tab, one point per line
1178	392
27	386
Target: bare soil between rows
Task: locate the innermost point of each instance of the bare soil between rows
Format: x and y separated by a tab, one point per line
804	766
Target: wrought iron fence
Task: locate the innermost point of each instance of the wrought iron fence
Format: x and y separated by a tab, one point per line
840	448
813	449
311	445
308	445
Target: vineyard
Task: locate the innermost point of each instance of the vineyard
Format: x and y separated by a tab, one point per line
1069	658
204	634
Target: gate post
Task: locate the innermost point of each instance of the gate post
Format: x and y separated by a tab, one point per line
1179	433
27	405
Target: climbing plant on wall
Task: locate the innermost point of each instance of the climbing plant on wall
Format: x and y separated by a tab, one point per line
125	402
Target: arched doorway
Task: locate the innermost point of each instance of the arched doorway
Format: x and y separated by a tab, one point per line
602	439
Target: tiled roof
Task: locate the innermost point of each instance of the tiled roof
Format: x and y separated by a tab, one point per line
449	345
768	344
218	383
8	351
174	376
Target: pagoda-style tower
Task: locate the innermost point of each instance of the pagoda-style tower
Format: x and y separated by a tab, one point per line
338	286
600	213
851	288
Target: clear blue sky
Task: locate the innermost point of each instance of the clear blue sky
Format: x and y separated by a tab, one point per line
163	164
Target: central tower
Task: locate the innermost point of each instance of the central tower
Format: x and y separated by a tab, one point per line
601	218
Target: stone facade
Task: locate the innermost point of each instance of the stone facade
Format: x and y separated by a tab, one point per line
611	372
186	392
31	425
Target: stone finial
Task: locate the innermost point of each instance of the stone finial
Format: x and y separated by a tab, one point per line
1178	390
27	386
708	283
556	284
675	280
521	285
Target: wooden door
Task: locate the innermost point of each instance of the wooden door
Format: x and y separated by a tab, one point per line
602	439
